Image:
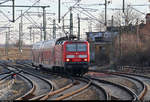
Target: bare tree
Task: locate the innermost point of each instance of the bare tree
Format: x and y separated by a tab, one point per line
22	43
118	18
129	16
100	26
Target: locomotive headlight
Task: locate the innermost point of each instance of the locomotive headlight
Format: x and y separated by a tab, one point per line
70	56
85	59
67	60
82	56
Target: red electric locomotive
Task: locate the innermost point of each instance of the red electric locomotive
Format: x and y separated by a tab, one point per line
62	55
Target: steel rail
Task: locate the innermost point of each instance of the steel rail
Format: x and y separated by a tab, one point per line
143	84
69	86
134	96
76	91
47	81
31	82
59	90
107	97
144	87
32	91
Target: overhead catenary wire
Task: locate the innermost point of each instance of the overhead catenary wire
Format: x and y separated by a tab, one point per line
34	22
69	9
5	15
27	10
4	1
89	16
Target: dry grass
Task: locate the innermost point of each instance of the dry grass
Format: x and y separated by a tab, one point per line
15	54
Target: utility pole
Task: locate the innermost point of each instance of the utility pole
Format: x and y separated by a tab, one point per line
13	10
71	22
7	41
6	44
137	32
30	28
63	26
54	29
40	28
89	25
33	37
41	33
112	44
123	7
59	6
123	10
44	22
7	38
106	13
120	41
78	27
20	32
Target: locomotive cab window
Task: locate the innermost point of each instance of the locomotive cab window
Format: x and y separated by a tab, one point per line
81	47
76	47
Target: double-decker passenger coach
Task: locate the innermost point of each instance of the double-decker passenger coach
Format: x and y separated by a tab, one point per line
62	55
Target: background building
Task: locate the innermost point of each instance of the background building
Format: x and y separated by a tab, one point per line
100	46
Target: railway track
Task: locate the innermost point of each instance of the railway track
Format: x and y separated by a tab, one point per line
40	86
77	86
8	86
5	81
146	81
128	93
141	85
116	91
66	93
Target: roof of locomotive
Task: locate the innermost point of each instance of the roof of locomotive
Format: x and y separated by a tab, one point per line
53	42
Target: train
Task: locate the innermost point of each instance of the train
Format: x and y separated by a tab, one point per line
62	55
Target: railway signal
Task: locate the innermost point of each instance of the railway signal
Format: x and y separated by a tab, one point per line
13	76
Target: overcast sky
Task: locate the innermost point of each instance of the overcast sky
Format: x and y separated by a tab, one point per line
64	8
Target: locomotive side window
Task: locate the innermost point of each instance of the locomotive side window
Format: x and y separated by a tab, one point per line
81	47
71	47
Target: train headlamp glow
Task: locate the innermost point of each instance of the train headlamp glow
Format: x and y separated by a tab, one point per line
70	56
67	60
85	59
82	56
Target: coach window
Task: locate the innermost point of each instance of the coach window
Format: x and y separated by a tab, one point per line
57	42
